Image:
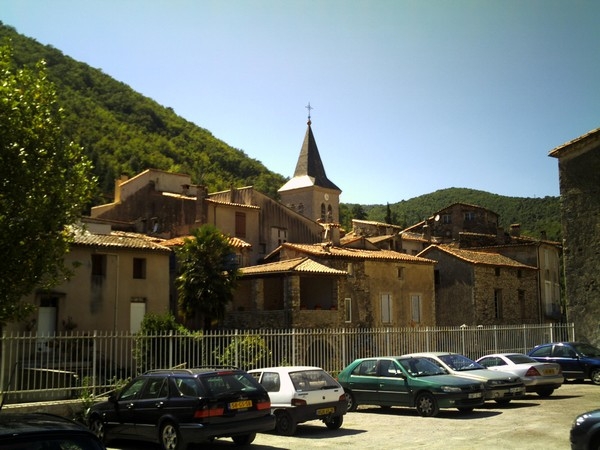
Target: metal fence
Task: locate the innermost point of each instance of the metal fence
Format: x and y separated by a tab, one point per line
51	367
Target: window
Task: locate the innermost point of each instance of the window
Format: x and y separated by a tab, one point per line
348	310
386	308
139	268
99	265
497	271
323	217
519	273
498	303
329	213
400	273
469	216
436	276
240	224
447	219
415	307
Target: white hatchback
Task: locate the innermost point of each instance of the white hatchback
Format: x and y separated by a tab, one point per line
302	393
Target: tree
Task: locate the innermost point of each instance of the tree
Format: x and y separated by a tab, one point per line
45	184
207	275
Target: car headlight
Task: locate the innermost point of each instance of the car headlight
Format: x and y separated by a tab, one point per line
451	389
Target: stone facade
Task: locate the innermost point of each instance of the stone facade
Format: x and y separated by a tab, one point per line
579	175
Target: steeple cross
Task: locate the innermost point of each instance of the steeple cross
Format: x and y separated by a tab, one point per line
309	109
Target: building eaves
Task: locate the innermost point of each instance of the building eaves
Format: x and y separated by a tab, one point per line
479	258
327	251
119	239
298	265
237	205
234	242
574	146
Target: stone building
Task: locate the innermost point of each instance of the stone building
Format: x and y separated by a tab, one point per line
579	178
315	285
478	288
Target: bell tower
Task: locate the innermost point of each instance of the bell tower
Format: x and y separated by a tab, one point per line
310	192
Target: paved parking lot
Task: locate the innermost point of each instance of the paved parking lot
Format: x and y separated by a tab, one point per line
530	423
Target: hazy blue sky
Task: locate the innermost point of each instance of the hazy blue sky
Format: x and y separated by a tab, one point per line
409	96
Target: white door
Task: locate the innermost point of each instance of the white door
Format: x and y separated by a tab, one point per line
137	311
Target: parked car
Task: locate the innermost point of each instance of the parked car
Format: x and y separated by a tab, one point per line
578	360
302	393
408	381
178	407
541	378
500	387
585	431
37	431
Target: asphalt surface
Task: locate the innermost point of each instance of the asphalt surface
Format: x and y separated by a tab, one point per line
529	423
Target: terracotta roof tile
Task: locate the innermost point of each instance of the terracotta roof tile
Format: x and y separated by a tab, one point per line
120	239
302	265
351	253
233	242
480	258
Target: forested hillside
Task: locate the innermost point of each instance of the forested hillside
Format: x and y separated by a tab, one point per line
535	215
124	132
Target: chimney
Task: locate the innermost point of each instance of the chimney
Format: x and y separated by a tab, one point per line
515	230
201	205
118	183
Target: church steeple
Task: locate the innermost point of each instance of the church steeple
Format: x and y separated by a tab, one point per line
310	192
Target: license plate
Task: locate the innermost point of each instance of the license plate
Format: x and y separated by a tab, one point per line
475	395
513	390
325	411
241	404
548	372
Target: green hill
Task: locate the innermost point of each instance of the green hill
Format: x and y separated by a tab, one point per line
535	215
124	132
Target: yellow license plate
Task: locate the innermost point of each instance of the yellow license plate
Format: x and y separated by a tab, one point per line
548	372
325	411
475	395
241	404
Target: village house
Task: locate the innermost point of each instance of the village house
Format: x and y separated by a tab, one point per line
481	288
340	287
579	179
118	277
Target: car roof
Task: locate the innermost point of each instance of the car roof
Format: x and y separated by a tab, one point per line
193	371
287	369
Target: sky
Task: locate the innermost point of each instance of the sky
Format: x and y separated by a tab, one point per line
408	97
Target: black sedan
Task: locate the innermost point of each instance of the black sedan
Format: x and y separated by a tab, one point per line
176	407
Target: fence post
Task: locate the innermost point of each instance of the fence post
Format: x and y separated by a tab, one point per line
237	347
170	348
94	368
496	339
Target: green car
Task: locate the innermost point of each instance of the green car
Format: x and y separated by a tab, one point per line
408	381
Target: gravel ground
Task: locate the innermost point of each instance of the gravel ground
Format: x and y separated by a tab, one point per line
530	423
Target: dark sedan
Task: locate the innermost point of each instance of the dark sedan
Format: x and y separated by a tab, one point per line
578	360
585	431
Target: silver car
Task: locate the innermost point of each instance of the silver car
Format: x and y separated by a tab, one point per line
501	387
538	377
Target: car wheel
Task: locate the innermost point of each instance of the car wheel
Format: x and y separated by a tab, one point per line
466	409
284	423
545	392
503	401
426	405
244	439
351	402
169	437
595	376
335	422
97	427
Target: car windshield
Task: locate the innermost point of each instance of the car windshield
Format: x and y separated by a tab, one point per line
421	367
521	359
587	350
460	363
312	380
